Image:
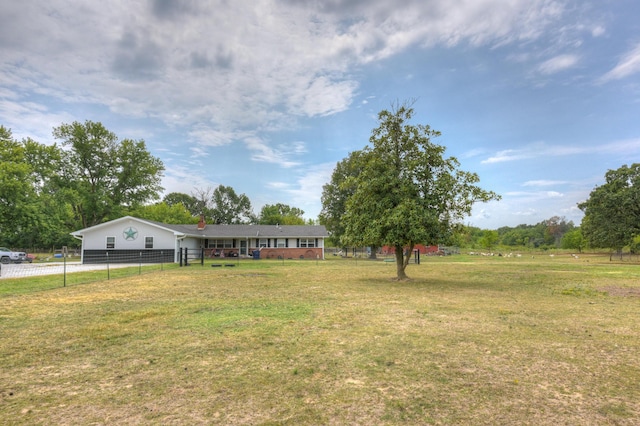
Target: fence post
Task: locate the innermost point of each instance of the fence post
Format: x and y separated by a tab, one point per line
108	272
202	257
140	265
64	271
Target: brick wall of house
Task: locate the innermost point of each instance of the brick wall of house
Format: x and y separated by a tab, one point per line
291	253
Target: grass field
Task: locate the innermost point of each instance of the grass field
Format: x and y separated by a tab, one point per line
468	340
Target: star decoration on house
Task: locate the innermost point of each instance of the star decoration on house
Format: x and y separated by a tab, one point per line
130	234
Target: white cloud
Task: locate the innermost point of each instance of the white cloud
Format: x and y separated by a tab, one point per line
554	194
278	185
508	155
598	31
198	152
629	64
31	120
182	179
537	150
322	96
473	153
262	152
558	63
232	66
211	137
483	214
307	191
527	212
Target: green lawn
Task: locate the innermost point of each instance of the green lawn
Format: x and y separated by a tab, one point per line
468	340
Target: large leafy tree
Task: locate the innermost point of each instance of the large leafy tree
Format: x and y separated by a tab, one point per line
102	177
407	192
573	239
204	201
612	211
57	217
190	202
165	213
489	239
282	214
18	203
229	207
556	227
36	215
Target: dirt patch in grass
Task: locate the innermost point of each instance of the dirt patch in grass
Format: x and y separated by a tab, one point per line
621	291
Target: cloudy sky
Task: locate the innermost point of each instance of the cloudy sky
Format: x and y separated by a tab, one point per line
539	97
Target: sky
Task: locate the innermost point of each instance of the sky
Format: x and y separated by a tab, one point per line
538	97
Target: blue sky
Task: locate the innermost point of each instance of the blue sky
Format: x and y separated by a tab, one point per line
539	97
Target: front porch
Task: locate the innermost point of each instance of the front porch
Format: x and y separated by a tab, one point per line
221	253
269	248
265	253
291	253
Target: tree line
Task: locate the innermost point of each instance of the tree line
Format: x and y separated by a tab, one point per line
555	232
91	176
398	191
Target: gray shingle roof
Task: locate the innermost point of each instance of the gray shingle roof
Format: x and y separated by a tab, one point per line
231	231
251	231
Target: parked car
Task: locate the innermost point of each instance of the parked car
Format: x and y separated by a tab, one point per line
10	256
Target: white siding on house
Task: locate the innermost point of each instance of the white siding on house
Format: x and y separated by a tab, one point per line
191	243
96	239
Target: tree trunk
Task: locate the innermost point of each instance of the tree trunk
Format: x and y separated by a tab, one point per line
373	252
400	264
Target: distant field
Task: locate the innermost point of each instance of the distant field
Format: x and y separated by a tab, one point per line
468	340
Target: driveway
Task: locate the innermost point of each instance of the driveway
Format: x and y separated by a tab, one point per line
22	270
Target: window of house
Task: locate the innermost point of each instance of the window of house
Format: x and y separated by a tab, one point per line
281	242
263	243
220	244
307	242
111	242
148	242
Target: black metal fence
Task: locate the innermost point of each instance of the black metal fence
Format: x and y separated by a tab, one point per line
128	256
190	256
71	270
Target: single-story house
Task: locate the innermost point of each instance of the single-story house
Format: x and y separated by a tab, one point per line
130	239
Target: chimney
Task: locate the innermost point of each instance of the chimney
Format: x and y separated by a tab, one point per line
201	223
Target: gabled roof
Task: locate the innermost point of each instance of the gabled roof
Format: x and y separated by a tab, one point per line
123	219
226	231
